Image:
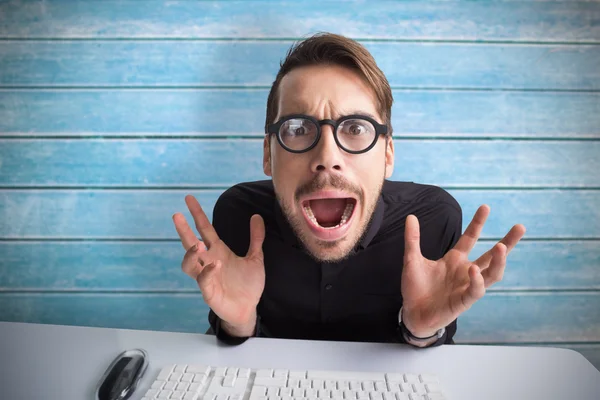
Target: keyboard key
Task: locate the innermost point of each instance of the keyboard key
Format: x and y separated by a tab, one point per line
427	378
195	387
180	368
280	373
198	369
345	375
178	394
243	373
157	385
175	376
264	373
262	381
229	381
190	396
297	374
165	373
183	386
170	385
164	394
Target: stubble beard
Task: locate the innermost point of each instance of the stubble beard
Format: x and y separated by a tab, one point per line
297	221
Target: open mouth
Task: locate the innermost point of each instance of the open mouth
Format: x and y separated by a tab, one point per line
329	217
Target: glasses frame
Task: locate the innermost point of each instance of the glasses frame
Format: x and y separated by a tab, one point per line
379	130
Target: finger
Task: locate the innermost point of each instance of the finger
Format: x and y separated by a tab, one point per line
194	262
207	280
469	238
186	234
509	241
495	271
206	230
412	238
476	288
257	236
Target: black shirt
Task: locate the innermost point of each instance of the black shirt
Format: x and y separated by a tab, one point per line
357	299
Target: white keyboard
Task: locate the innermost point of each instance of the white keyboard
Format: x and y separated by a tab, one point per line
199	382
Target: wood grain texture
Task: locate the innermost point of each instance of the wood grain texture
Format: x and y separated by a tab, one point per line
156	266
192	162
146	214
252	63
223	112
514	21
547	317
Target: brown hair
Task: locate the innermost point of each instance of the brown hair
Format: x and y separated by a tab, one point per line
329	48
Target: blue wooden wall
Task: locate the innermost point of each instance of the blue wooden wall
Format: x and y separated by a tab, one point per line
112	111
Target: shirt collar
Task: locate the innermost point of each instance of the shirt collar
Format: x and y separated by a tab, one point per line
289	237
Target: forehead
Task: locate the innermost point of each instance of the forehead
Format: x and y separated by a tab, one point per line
325	91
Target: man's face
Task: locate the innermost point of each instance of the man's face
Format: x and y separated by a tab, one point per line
327	194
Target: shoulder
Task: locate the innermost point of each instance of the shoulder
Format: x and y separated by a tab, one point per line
418	196
247	197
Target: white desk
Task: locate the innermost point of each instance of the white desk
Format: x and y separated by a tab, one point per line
61	362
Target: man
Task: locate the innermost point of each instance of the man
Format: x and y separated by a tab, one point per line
329	248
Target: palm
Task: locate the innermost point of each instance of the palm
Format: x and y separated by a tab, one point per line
234	290
230	285
435	293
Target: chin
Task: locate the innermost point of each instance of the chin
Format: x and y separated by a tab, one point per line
328	251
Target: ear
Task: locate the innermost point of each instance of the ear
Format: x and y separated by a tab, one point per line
389	157
267	155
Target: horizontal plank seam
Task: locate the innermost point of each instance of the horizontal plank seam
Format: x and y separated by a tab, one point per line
116	291
259	136
168	240
366	40
45	88
146	187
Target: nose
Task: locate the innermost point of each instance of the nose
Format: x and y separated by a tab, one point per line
327	156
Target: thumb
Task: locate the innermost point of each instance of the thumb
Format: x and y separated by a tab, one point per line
257	236
412	239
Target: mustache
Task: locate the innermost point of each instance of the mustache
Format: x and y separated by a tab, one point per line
321	182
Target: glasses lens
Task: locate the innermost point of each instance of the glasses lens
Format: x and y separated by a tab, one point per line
356	134
298	133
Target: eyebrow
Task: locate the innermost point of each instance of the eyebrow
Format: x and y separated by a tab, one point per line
354	112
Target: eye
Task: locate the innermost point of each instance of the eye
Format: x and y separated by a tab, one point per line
357	127
298	127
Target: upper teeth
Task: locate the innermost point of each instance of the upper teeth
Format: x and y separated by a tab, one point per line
347	213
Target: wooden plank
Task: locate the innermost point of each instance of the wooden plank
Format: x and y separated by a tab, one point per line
155	266
180	162
530	316
519	21
222	112
255	63
497	317
146	214
161	312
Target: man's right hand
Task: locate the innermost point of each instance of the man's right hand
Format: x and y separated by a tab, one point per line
230	285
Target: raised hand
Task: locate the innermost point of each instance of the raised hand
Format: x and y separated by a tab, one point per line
230	285
435	293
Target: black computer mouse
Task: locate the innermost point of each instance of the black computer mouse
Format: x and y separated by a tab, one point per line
122	376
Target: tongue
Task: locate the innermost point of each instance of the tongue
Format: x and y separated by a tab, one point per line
328	212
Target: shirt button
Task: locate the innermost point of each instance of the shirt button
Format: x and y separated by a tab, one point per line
328	286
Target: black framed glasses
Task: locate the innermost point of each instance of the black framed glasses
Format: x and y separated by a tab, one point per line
355	134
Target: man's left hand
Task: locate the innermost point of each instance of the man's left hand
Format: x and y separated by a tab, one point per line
435	293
